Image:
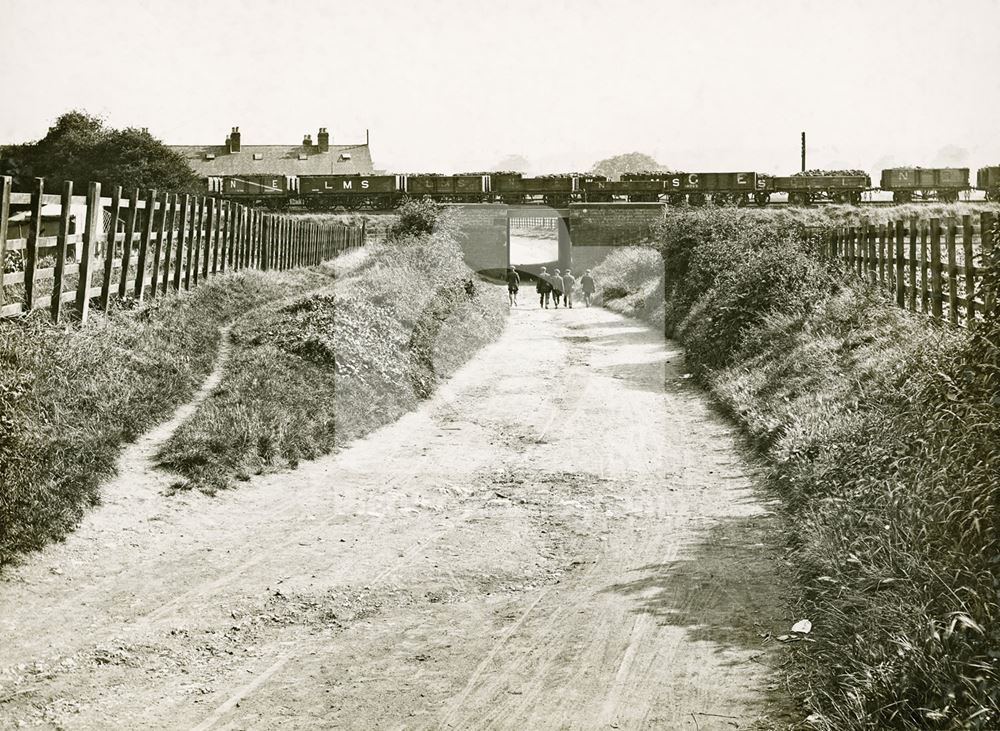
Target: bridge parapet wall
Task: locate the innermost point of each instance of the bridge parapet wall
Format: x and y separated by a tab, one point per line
597	227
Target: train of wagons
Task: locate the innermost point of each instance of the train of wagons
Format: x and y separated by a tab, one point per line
382	192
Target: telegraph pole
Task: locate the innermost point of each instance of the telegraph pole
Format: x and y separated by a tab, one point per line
803	152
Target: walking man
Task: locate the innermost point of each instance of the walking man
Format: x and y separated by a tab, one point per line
569	281
513	281
588	286
557	288
544	289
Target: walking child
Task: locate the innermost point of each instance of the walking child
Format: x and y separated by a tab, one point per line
513	281
588	286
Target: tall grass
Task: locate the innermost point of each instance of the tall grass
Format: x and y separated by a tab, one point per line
71	396
335	364
880	431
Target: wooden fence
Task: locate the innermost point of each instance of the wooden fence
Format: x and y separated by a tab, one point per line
933	266
142	245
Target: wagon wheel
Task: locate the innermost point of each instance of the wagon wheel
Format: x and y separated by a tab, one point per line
740	199
675	199
761	198
720	199
696	199
993	195
902	196
839	197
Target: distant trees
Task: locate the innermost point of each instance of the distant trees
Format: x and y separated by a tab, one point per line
512	163
630	162
81	148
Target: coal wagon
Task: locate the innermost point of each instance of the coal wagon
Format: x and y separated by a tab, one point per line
351	192
448	188
988	180
909	184
598	189
805	189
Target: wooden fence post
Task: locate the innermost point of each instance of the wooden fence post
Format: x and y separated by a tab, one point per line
913	264
217	237
130	219
154	276
986	221
968	262
209	228
952	272
147	234
194	231
191	275
31	247
66	204
890	255
880	238
110	248
6	183
171	201
90	234
900	265
181	232
924	294
937	294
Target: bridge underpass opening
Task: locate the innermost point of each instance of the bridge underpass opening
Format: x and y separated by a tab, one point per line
536	239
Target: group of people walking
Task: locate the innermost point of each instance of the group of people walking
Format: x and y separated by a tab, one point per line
554	286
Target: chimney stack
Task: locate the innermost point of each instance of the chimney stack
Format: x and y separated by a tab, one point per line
233	140
323	138
307	141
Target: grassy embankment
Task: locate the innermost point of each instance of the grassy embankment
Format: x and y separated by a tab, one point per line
334	365
879	430
71	396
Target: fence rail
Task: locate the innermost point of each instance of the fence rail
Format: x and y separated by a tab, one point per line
932	266
141	244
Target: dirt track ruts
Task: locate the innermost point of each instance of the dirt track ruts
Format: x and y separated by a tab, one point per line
564	536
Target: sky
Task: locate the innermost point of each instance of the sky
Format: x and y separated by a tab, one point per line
457	85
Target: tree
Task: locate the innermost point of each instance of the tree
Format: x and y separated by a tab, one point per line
630	162
79	147
512	163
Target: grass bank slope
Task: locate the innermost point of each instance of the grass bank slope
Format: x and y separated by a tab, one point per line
881	433
333	365
70	397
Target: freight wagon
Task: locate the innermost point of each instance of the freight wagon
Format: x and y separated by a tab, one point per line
553	190
598	189
909	184
988	179
805	189
449	188
351	191
253	188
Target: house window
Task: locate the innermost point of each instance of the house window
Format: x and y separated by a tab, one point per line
345	156
258	156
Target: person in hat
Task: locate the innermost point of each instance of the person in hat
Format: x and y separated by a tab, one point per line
513	282
557	287
569	281
544	288
588	286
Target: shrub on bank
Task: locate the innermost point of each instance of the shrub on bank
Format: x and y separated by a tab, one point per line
334	365
880	432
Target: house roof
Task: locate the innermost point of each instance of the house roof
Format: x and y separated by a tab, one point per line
277	160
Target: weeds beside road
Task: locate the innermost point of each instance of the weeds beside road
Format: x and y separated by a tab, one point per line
880	432
70	397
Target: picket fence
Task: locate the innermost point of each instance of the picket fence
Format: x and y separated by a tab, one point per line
933	266
142	245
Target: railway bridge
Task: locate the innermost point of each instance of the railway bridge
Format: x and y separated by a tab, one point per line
585	231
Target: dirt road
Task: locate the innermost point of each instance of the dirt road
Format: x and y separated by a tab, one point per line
563	537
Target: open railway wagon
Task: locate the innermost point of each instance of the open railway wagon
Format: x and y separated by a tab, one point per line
806	188
552	190
351	192
598	189
270	191
908	184
988	179
449	188
697	188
